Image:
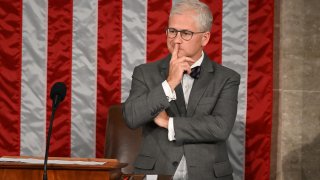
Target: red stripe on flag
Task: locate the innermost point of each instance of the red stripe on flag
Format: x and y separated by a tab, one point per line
259	105
10	76
59	68
157	22
109	65
214	47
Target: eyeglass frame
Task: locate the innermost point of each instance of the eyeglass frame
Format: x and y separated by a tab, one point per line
181	32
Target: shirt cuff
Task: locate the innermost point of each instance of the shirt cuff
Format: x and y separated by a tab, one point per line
171	95
171	132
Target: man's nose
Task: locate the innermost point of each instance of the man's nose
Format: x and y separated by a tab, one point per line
178	39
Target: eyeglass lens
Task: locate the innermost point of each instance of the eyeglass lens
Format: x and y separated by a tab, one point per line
185	34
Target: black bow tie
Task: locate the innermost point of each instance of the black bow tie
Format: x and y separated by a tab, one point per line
195	72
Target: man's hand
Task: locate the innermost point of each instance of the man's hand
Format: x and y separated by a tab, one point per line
178	65
162	119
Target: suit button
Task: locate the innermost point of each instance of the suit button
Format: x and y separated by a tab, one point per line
175	163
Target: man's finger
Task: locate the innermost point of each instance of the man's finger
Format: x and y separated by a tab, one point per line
186	59
175	51
189	60
186	68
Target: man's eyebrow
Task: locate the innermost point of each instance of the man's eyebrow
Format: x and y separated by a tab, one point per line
181	29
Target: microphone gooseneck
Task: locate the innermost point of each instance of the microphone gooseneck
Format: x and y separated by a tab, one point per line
57	94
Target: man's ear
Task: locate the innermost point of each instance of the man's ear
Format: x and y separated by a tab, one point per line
205	38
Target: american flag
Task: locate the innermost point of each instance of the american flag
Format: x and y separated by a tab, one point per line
93	45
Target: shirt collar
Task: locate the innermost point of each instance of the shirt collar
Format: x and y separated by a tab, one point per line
199	61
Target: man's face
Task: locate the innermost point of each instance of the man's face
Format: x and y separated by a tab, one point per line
193	47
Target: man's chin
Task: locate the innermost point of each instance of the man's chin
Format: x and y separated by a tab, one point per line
181	55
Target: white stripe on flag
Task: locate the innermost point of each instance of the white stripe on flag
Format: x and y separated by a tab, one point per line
174	2
33	80
134	27
84	72
235	56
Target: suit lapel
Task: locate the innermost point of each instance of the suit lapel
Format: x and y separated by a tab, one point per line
200	85
178	106
180	102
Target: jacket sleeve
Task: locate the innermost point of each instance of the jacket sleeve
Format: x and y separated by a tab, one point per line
215	126
144	102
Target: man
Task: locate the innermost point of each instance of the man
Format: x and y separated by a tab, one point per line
186	114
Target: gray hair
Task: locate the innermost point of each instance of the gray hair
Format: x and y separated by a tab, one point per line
204	17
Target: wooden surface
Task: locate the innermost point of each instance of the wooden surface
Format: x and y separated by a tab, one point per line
111	169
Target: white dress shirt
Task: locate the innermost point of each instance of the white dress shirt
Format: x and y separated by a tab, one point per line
186	82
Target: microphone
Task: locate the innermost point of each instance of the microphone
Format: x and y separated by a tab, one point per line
57	94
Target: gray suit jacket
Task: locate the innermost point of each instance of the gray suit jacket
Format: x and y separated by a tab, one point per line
201	129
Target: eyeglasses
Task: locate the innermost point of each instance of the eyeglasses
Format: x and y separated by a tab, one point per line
185	34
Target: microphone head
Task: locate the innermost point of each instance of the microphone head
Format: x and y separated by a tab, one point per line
58	89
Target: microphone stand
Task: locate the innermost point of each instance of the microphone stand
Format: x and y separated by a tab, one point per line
55	104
